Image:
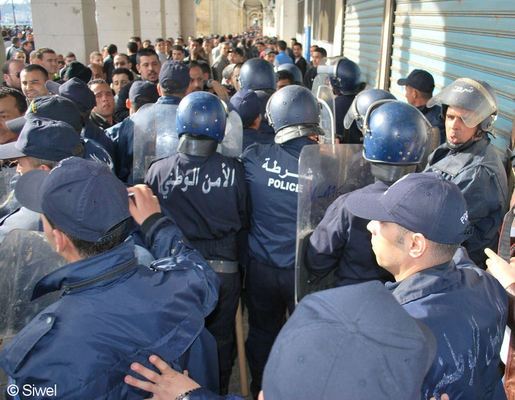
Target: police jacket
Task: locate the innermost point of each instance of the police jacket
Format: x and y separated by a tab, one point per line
272	177
466	309
341	240
122	135
113	312
206	196
94	132
342	104
251	136
479	173
93	151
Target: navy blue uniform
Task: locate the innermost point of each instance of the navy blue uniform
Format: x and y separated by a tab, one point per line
97	134
251	136
341	240
478	171
434	116
466	310
207	197
272	177
113	312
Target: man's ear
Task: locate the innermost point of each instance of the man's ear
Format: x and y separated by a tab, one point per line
418	245
62	241
159	90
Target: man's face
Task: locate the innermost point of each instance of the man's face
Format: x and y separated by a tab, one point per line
68	60
194	47
30	37
49	62
121	62
8	108
196	80
148	68
27	47
234	58
97	60
119	81
297	51
234	78
388	244
12	79
206	45
177	55
146	43
161	47
270	57
455	129
20	55
97	72
317	59
224	50
33	84
105	100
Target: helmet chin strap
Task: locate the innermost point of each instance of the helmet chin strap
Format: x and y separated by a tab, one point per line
462	146
292	132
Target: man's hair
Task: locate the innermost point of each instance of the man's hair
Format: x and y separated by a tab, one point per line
36	67
7	65
69	54
284	74
25	42
125	71
21	103
96	82
178	48
38	162
112	49
145	53
439	251
297	44
94	54
282	45
44	50
132	47
123	55
89	249
15	40
135	38
320	50
159	40
204	66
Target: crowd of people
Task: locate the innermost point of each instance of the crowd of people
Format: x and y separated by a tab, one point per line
167	179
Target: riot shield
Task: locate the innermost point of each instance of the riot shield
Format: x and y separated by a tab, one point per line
327	114
325	173
232	145
321	79
155	136
8	203
25	258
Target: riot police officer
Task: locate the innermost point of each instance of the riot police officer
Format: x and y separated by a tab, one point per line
258	75
395	139
467	158
272	175
205	193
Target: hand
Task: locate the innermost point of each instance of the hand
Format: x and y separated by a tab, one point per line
500	269
221	91
442	397
143	203
165	386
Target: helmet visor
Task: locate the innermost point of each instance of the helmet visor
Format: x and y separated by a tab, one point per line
470	95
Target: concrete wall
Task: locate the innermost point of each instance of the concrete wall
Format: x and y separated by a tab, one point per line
117	20
66	26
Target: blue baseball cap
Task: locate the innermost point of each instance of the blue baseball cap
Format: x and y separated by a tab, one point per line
352	342
174	75
247	104
44	138
58	108
143	92
82	198
78	91
423	203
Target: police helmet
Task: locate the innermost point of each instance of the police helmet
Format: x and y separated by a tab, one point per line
345	75
256	74
477	97
395	133
360	105
202	113
297	74
292	105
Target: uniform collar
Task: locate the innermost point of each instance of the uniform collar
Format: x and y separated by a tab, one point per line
89	272
432	280
168	100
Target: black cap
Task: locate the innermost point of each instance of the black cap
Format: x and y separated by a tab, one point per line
419	79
